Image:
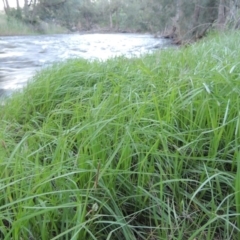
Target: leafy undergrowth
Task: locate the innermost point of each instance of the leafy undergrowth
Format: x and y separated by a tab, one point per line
126	149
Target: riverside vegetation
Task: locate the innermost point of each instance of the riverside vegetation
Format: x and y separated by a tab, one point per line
141	148
10	26
182	20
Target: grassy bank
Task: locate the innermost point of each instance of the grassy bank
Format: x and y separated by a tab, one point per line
10	26
126	149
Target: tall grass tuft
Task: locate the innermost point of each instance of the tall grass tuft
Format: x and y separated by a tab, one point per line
141	148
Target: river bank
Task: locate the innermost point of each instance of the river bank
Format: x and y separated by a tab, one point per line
140	148
10	26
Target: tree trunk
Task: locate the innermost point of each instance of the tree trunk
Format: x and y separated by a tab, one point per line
18	6
176	29
233	17
6	6
222	14
25	8
33	5
25	3
110	21
196	15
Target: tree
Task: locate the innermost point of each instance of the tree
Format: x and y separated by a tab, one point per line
196	15
18	6
6	6
181	19
222	14
26	8
178	18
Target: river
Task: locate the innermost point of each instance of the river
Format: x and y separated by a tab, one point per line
22	56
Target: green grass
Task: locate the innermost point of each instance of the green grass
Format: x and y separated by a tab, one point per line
10	26
132	149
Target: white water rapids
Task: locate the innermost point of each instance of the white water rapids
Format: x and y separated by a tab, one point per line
22	56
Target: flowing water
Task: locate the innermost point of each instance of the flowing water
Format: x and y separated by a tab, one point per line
22	56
